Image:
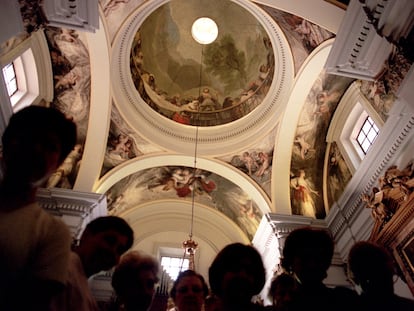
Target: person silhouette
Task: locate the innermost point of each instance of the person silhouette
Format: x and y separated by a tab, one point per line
282	291
35	246
100	247
307	255
371	268
189	291
236	275
134	280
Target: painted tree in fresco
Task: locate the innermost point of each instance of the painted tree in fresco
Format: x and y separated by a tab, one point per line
225	61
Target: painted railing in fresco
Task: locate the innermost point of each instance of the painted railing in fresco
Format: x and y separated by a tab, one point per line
246	103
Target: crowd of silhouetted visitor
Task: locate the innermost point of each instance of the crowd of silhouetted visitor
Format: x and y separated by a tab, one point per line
42	269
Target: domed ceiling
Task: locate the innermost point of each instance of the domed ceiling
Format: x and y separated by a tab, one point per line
238	105
163	78
197	84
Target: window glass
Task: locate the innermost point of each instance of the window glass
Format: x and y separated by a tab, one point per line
174	265
367	134
9	75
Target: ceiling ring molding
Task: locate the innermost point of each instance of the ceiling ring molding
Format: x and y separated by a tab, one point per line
176	137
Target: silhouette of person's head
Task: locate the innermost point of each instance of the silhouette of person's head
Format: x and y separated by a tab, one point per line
282	291
236	275
189	291
371	267
307	254
134	280
35	142
103	242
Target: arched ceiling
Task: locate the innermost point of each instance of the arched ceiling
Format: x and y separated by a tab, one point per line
153	78
142	156
163	148
162	224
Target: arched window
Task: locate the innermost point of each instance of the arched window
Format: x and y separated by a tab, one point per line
354	126
27	70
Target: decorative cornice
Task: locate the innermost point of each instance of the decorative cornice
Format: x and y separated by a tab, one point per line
361	49
79	15
75	208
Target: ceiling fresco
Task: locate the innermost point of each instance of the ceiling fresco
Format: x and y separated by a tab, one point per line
382	92
175	76
223	136
150	53
71	74
124	143
198	84
256	162
308	158
303	36
338	174
177	182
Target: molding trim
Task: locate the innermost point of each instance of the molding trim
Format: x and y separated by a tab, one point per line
75	208
360	51
74	14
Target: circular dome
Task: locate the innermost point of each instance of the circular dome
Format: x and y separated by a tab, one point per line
164	82
201	82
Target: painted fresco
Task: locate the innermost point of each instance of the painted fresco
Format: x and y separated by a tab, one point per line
338	174
382	92
301	42
256	161
66	173
224	80
257	164
310	145
303	36
123	143
72	86
70	65
109	6
176	182
116	11
71	76
71	71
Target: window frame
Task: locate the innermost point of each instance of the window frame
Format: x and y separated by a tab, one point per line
27	91
12	79
33	69
169	250
348	118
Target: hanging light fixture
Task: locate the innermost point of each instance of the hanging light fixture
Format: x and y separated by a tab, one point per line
204	31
